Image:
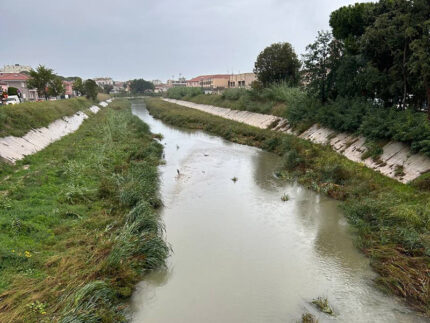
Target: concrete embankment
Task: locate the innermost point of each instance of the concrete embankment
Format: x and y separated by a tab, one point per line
14	148
397	161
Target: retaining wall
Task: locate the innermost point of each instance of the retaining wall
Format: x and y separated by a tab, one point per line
13	148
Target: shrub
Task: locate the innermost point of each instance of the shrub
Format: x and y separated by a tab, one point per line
233	94
182	92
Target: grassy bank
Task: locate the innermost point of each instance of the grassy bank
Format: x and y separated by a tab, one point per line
391	220
103	97
17	120
78	225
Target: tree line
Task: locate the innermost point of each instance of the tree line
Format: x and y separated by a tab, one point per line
379	52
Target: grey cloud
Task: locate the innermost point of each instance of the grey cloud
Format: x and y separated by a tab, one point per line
155	39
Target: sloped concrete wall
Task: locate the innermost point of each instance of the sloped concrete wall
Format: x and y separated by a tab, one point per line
396	161
254	119
13	148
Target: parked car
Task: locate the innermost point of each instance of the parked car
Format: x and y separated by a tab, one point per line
12	99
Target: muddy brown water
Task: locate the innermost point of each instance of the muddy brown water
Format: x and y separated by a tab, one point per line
240	254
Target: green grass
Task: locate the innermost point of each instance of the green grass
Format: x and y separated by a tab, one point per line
78	222
17	120
391	219
103	97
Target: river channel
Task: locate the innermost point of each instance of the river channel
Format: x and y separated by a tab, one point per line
240	253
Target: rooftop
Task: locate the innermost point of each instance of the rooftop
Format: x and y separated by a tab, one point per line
13	77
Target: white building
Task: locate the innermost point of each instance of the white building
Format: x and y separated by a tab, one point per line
101	81
15	68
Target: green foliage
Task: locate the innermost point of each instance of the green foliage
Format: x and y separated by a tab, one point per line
12	90
320	63
56	87
78	86
40	79
65	234
140	86
90	89
278	63
17	120
233	94
181	92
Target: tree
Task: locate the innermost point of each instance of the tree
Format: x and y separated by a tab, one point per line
12	90
39	79
419	63
349	24
139	86
78	86
56	87
107	88
278	63
320	64
91	89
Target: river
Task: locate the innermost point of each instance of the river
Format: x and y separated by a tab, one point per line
240	253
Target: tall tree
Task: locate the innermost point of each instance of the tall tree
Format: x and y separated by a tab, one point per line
278	63
320	64
78	86
419	63
139	86
91	89
39	79
56	87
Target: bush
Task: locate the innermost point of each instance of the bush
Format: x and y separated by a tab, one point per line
233	94
179	93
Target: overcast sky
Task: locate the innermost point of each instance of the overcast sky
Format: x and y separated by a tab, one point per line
154	39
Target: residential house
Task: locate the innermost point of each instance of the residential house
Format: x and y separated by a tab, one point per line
216	81
19	81
68	88
102	81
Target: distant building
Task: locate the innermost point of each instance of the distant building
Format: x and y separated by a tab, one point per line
160	88
216	81
19	81
102	81
156	82
16	68
68	88
118	87
181	82
242	80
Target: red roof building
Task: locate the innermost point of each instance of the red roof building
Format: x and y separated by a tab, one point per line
19	81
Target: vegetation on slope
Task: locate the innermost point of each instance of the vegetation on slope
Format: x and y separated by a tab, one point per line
17	120
78	225
392	220
356	116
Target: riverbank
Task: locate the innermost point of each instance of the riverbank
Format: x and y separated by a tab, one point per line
78	225
17	120
390	218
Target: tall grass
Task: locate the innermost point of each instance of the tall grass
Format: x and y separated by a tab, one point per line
179	93
78	228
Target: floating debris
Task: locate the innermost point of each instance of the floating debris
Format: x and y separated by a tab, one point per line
322	304
285	197
309	318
